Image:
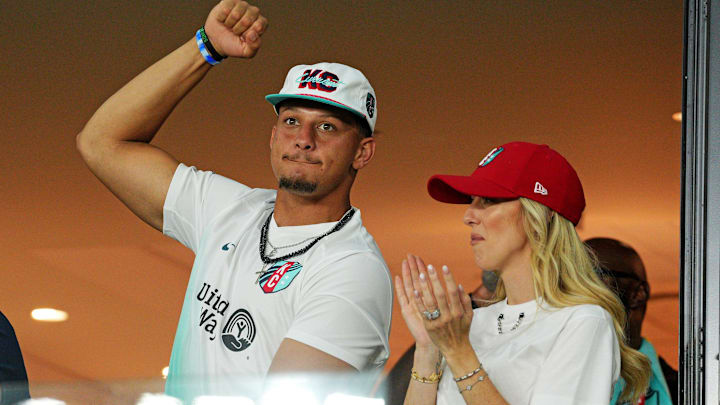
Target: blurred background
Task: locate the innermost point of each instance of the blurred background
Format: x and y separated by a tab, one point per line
599	81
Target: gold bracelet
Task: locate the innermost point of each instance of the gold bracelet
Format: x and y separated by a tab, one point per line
434	377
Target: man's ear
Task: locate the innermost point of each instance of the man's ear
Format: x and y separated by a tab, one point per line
364	153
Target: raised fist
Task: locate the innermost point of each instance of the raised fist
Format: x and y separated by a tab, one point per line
235	28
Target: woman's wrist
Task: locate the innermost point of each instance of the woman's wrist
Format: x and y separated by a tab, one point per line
462	360
427	361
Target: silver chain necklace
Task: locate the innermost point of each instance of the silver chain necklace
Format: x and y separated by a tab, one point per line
264	240
276	248
515	326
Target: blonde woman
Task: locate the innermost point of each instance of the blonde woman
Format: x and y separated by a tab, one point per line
554	334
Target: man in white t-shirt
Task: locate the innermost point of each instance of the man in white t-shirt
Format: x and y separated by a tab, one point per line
283	281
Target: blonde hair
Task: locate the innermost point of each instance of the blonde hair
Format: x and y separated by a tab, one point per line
563	273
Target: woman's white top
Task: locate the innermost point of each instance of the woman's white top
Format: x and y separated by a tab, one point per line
555	357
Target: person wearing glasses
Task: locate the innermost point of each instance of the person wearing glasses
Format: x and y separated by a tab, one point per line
623	271
555	333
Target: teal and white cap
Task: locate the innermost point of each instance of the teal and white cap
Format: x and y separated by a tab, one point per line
330	83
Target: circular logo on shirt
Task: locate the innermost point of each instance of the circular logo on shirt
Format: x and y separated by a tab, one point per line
239	331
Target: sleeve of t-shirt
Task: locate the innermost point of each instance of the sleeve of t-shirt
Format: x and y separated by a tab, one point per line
345	310
194	198
581	369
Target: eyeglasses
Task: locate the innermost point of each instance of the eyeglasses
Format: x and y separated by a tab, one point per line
603	272
625	293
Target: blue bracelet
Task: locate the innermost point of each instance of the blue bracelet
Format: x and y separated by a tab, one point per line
215	54
203	50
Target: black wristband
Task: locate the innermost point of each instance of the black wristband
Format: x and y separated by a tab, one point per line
209	46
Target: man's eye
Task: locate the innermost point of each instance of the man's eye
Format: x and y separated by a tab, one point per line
326	127
290	121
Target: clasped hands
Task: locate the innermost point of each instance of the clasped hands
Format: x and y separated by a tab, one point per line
438	313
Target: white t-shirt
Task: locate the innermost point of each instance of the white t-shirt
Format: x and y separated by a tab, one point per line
566	356
337	297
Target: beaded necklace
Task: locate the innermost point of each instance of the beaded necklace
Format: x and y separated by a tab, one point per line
268	259
515	326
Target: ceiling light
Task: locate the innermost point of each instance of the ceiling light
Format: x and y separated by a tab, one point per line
49	315
165	372
677	117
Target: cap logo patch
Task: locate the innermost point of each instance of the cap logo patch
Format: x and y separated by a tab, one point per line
490	156
539	189
370	105
319	80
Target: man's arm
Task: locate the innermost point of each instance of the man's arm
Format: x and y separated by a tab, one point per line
115	143
293	356
342	319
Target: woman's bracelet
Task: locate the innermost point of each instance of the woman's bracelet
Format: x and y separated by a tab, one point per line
470	386
434	377
470	374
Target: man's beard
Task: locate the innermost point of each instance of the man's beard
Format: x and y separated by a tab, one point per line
299	186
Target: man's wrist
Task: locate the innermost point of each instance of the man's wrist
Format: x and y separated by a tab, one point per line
213	51
206	48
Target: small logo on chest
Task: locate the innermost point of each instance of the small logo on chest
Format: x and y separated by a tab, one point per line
279	276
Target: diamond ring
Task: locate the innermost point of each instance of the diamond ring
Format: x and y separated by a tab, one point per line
431	316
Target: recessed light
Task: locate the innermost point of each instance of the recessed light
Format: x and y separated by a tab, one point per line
677	117
49	315
165	372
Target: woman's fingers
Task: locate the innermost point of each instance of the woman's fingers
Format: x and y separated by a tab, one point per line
400	293
438	295
417	267
453	294
408	281
424	297
465	299
411	281
423	287
414	271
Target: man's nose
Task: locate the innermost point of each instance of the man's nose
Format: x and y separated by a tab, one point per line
305	138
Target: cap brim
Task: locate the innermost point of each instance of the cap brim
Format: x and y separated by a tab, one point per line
460	189
274	99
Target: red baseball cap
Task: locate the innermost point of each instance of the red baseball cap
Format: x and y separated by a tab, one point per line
517	169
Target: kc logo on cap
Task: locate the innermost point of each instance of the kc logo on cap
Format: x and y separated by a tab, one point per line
335	84
318	79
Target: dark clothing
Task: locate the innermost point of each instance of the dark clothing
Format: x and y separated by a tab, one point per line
13	377
395	385
671	378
